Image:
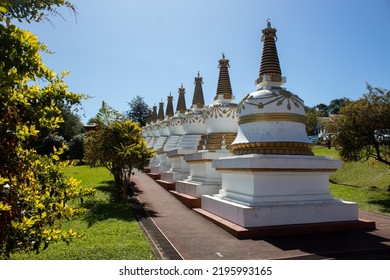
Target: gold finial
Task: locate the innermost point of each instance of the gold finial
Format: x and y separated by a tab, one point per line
268	22
223	55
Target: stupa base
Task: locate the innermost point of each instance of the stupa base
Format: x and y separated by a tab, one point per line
281	213
286	230
196	189
188	200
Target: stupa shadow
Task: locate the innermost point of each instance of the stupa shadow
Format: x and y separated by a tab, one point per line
338	245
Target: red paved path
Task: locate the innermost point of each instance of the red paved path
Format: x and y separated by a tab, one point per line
196	238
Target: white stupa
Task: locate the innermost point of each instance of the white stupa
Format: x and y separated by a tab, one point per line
178	167
273	179
152	128
221	119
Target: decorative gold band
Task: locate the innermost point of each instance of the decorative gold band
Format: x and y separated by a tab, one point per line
216	141
268	117
273	148
274	170
199	160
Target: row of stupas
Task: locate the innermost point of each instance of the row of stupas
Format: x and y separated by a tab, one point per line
249	164
206	129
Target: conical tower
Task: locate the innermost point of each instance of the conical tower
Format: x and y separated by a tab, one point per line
224	88
198	99
221	116
169	111
160	115
181	102
149	118
269	66
154	114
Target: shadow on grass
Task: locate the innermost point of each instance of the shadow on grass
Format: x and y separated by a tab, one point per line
113	208
343	184
384	204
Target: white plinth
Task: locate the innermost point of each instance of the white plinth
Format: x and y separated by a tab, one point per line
281	213
172	176
265	190
179	169
203	178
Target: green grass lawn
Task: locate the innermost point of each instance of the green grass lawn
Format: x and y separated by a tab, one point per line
110	229
111	232
365	183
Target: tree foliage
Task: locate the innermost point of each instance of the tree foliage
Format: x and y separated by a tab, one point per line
71	125
139	110
119	147
33	10
311	120
335	105
358	126
34	193
107	115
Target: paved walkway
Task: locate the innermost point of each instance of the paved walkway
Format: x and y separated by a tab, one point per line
196	238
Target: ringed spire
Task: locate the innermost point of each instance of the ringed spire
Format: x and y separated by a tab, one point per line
160	115
169	111
269	66
198	99
224	87
181	102
154	114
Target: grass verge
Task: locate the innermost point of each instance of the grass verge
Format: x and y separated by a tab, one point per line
109	228
363	182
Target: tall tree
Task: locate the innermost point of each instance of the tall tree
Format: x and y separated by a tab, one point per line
377	95
322	110
336	104
359	125
107	115
34	192
311	120
139	110
71	125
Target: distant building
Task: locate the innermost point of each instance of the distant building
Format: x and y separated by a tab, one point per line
320	130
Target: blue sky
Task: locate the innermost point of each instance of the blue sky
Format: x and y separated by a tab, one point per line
118	49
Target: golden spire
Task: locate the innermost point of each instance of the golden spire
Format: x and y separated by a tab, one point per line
154	114
181	102
161	111
224	86
269	59
198	99
169	112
